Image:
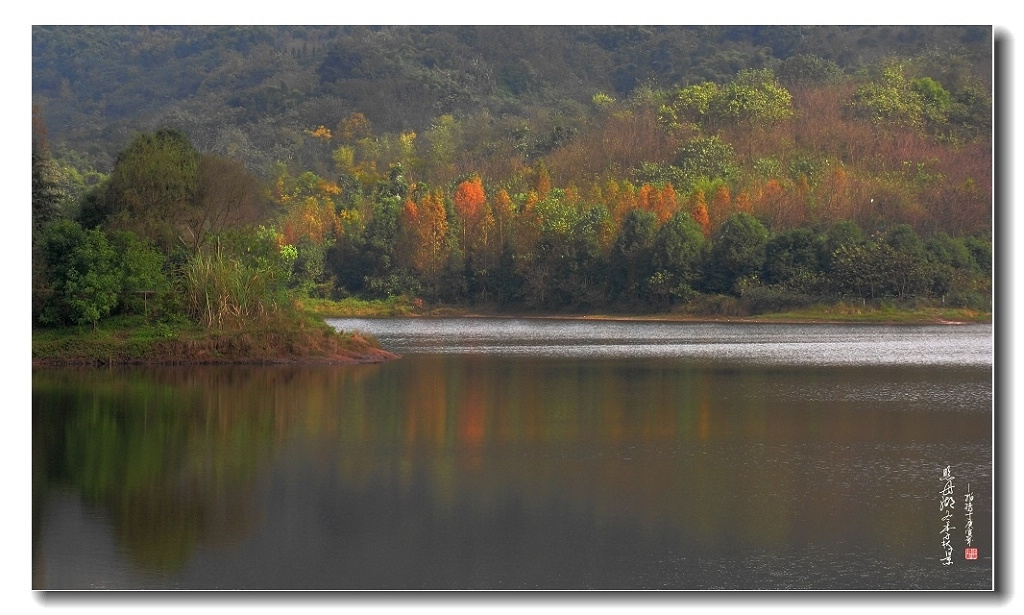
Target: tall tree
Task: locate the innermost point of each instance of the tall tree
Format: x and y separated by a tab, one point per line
154	188
48	200
631	255
469	201
676	257
737	251
228	197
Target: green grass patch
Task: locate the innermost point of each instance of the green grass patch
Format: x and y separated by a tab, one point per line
885	313
363	308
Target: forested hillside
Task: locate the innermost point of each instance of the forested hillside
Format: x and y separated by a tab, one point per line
224	170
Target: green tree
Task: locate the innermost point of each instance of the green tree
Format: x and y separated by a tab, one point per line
792	260
903	257
154	188
936	102
970	113
981	252
755	98
49	201
385	276
83	275
694	103
587	274
631	253
893	266
706	158
806	70
844	233
143	281
676	259
737	252
895	101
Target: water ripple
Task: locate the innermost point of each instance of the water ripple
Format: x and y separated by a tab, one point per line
789	344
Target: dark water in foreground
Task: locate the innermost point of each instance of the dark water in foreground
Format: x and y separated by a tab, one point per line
530	455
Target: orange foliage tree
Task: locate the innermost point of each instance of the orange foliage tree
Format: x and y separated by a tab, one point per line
699	212
721	205
665	205
542	183
504	216
469	200
432	235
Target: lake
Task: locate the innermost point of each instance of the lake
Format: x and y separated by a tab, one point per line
530	454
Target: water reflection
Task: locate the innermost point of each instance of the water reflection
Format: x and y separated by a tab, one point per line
478	470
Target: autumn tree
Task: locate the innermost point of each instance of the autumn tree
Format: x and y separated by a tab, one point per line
721	205
229	197
433	235
408	243
503	216
542	181
664	205
699	213
470	197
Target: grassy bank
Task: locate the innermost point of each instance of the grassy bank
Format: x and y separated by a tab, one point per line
708	310
360	308
134	340
884	314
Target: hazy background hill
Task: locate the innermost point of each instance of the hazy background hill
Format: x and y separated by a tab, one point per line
251	91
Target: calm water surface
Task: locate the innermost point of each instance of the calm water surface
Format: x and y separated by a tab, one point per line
528	454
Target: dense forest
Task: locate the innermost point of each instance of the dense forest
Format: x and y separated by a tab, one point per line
216	174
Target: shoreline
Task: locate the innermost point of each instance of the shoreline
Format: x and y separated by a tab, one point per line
782	319
323	345
132	343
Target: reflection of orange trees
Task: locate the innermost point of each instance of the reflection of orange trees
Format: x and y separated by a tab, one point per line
425	403
703	411
470	430
665	447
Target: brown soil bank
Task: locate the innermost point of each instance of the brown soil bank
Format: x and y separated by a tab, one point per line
314	345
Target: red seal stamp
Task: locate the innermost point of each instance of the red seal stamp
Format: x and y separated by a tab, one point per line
971	553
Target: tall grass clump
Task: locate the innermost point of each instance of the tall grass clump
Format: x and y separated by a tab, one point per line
225	293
